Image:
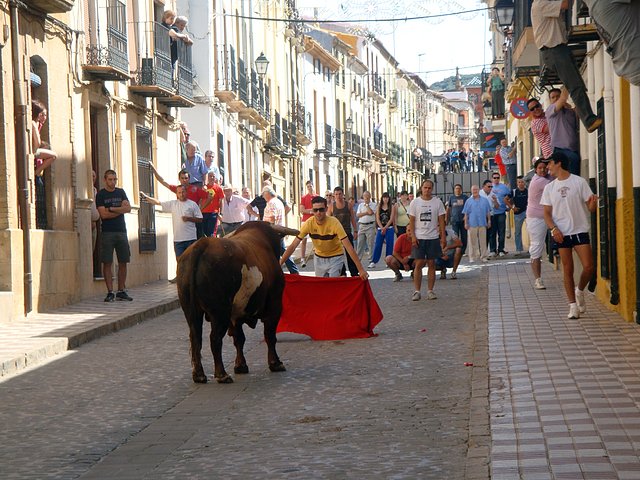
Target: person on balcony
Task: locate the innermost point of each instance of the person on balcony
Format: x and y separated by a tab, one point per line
44	157
175	32
550	36
496	85
195	164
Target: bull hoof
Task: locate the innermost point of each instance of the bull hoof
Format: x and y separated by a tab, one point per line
277	367
225	379
241	369
200	378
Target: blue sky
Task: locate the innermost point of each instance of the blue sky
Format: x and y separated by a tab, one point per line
432	46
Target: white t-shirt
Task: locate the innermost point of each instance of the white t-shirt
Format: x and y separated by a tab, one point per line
567	198
426	214
182	231
363	208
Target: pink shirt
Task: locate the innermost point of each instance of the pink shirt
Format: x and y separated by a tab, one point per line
536	187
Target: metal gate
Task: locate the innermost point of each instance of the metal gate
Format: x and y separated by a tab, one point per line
443	183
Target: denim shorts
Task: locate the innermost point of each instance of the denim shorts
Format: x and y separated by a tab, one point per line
118	241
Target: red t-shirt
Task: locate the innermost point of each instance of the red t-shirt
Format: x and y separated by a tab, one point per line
194	193
306	203
218	194
403	246
501	168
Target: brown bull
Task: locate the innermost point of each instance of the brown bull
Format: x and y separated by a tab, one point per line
231	281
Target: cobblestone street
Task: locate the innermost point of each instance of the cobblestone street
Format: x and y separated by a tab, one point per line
393	406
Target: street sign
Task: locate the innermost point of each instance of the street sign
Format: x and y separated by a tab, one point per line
519	108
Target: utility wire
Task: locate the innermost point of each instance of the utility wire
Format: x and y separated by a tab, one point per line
369	20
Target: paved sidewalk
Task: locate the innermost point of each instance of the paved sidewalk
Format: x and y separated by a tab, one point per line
40	336
564	394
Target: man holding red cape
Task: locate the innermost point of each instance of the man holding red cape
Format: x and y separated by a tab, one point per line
329	238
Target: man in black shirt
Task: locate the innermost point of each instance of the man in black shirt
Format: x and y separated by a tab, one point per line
517	201
112	203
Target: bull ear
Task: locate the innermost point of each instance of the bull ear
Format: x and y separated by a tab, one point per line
284	231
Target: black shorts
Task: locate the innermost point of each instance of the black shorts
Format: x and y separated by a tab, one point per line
427	249
117	241
570	241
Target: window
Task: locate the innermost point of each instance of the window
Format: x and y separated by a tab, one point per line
146	214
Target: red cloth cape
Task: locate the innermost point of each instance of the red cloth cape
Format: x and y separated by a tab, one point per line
329	308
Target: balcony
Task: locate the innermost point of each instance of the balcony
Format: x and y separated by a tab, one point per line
53	6
154	78
182	81
107	57
377	88
379	146
302	120
255	106
226	87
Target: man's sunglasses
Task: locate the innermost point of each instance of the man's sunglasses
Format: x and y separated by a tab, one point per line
321	209
534	107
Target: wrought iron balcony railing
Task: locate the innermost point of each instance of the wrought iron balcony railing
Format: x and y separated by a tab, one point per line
154	78
107	54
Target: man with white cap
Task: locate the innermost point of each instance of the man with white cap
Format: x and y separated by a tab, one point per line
274	213
233	210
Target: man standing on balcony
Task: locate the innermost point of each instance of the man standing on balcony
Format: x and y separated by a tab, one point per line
195	165
550	35
208	161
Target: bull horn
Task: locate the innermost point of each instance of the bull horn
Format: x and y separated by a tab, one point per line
284	230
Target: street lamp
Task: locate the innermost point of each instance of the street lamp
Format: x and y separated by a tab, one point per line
262	64
348	124
504	12
412	144
384	168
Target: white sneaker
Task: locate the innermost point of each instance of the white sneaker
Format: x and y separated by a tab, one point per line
371	265
303	264
582	306
431	295
502	254
416	296
539	285
574	312
491	254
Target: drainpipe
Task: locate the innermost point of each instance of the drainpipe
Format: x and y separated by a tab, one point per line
611	114
593	170
21	138
634	97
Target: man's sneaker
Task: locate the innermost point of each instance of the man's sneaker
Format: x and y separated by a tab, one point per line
582	306
110	297
303	264
371	265
454	275
574	312
398	277
122	295
491	254
443	274
594	125
431	295
502	254
539	285
416	296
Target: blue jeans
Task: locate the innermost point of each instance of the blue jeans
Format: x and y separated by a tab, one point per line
458	228
498	226
388	238
209	223
293	269
180	247
519	220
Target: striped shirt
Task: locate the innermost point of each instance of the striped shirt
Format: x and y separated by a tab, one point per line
543	138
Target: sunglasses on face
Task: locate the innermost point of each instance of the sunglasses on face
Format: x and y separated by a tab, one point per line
321	209
496	178
535	107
